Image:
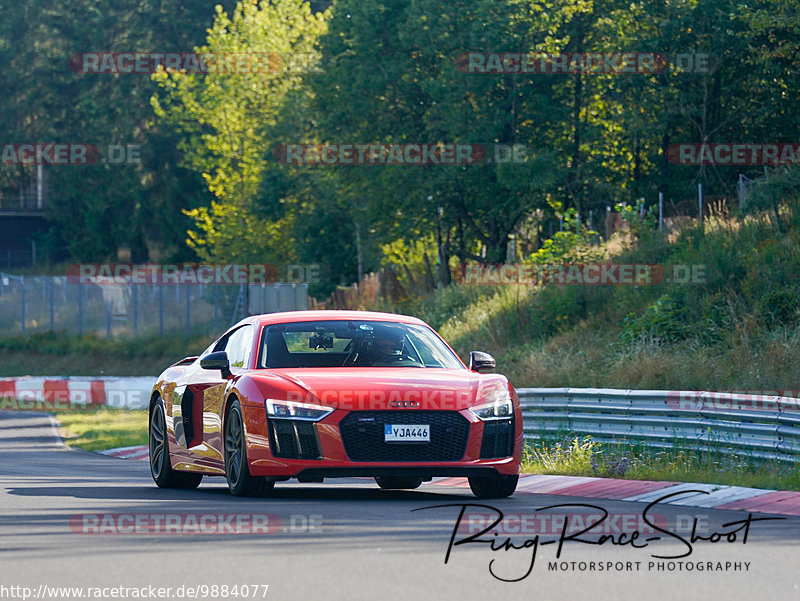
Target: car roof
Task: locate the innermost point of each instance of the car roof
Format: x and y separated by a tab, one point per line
295	316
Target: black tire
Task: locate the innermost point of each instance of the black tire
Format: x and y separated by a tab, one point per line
398	482
237	471
161	470
493	487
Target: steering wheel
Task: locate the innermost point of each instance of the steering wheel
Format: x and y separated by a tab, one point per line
392	359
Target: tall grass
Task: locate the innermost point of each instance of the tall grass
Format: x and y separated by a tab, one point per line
738	329
58	353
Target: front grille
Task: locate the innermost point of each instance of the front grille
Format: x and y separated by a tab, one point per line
498	439
293	439
363	436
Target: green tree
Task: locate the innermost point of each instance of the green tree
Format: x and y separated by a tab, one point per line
96	208
228	122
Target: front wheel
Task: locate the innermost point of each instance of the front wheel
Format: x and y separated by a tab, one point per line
493	487
160	467
237	471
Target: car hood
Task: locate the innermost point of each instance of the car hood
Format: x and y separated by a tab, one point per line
387	388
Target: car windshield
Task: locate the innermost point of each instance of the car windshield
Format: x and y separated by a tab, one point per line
353	344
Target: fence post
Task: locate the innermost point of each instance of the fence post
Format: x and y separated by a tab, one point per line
741	190
161	309
80	309
52	305
188	309
215	296
700	201
660	210
135	294
22	284
108	319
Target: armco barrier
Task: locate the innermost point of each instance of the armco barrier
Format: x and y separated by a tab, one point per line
49	393
760	426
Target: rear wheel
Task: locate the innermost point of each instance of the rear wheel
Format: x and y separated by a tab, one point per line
237	471
493	487
160	467
398	482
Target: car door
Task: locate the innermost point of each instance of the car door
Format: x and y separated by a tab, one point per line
238	346
198	402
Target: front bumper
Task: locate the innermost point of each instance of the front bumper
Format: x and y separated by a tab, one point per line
461	445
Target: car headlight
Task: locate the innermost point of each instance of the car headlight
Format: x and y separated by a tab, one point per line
495	402
499	409
291	410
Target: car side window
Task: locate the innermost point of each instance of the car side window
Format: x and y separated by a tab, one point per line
240	342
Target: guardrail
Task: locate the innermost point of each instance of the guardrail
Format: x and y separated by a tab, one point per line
761	426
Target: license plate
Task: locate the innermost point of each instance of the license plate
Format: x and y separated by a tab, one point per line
407	433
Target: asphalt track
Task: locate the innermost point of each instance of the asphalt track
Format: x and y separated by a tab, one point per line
345	539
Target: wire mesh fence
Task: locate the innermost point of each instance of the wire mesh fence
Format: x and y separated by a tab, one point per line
30	304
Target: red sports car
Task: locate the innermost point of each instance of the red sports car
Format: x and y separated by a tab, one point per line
325	394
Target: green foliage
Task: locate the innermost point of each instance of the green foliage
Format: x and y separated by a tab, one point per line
61	343
641	221
96	208
663	321
447	303
571	455
386	72
573	244
59	353
229	121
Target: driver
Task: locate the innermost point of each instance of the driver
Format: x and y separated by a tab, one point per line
387	347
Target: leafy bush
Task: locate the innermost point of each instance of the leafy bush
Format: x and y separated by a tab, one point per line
571	245
662	321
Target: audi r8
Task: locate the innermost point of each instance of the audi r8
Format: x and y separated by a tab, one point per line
325	394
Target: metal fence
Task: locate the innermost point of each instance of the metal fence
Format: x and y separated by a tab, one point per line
760	426
43	303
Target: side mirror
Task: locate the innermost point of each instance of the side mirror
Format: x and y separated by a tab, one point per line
481	362
218	360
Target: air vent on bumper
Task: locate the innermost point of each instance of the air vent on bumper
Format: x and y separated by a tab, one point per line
293	439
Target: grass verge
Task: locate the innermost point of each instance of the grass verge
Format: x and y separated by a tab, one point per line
582	456
61	354
104	428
